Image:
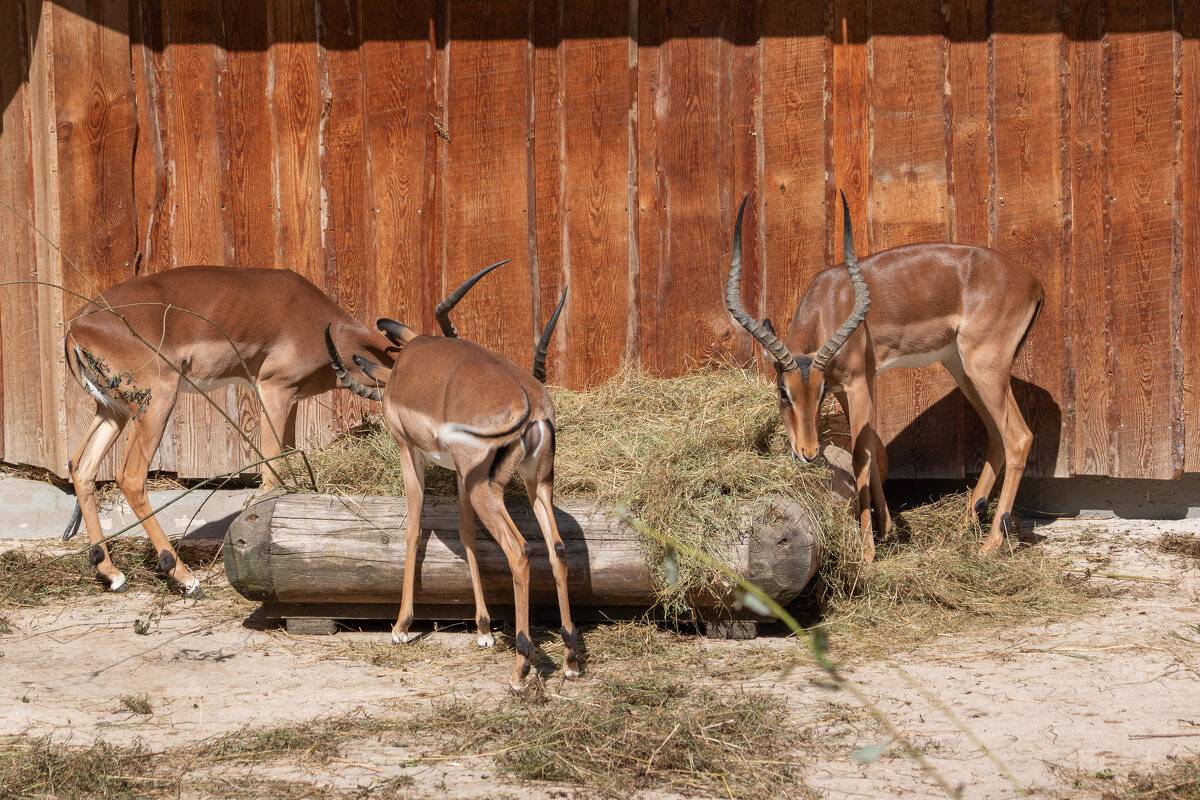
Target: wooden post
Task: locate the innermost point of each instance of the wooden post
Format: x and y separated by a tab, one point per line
336	557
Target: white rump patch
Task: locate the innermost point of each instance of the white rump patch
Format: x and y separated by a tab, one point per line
913	360
101	397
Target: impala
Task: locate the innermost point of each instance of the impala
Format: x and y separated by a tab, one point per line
464	407
192	329
968	307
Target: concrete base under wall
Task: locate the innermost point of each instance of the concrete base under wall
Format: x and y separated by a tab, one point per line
1080	496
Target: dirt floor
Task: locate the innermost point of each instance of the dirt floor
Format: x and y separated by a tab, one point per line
1106	693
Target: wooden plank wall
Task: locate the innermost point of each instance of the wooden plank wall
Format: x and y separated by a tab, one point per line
386	150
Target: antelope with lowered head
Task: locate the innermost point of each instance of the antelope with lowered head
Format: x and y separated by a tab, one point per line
968	307
461	406
192	329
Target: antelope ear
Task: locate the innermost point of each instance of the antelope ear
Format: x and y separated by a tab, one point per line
397	333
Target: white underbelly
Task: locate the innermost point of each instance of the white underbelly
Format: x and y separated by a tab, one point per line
208	386
913	360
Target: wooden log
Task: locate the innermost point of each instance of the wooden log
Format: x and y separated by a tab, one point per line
321	556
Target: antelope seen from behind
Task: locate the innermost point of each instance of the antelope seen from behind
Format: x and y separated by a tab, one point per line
191	329
968	307
461	406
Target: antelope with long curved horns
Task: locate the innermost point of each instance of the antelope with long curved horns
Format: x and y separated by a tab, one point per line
461	406
968	307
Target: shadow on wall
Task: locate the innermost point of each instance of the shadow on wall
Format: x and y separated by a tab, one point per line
950	433
1040	496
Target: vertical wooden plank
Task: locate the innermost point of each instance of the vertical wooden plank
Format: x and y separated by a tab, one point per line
253	218
51	425
397	80
970	167
244	69
918	410
1088	291
297	110
349	270
1027	108
852	123
549	178
694	81
797	127
1141	97
595	129
486	116
20	369
150	178
653	245
204	442
97	127
1188	15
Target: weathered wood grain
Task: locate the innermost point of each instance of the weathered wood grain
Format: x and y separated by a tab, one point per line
548	180
797	183
96	130
486	167
1188	76
1141	157
400	140
1089	298
918	410
851	87
331	549
350	276
969	170
694	79
595	103
1028	112
50	430
20	405
653	246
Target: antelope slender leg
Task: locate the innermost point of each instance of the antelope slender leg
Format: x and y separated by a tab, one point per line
994	389
489	505
146	433
1018	439
277	427
541	497
413	467
995	456
862	436
102	434
466	532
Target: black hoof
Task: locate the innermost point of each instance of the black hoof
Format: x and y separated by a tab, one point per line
196	594
166	561
122	589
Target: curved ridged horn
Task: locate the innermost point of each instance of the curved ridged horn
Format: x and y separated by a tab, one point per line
539	356
442	312
344	375
733	301
862	297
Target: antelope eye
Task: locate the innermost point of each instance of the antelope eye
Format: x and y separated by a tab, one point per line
783	392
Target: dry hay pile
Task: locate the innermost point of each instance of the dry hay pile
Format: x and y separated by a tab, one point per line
689	456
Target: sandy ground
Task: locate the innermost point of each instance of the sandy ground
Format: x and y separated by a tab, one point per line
1116	690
